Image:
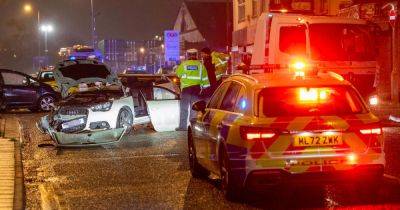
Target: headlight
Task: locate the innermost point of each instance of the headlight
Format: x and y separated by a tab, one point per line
101	107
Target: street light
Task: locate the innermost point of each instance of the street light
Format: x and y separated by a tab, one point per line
27	8
142	50
47	28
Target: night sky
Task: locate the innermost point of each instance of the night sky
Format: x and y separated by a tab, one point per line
116	19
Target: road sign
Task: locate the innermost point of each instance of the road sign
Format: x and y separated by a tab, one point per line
392	17
172	45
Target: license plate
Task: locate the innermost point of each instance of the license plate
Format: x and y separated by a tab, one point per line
317	140
72	123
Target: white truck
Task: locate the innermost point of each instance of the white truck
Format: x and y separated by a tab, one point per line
343	45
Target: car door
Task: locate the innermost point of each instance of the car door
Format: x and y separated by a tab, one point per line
164	109
17	89
222	120
201	127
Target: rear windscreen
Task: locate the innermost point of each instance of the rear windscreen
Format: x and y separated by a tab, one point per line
79	71
309	101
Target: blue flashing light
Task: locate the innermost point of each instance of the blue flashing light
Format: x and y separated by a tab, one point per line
243	103
72	58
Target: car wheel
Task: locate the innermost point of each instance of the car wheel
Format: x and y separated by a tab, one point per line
196	169
230	189
46	103
125	118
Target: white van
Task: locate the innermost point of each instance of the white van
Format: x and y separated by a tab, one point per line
338	44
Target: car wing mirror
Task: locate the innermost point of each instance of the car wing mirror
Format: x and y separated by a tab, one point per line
199	106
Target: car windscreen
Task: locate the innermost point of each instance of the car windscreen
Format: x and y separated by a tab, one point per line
46	76
79	71
309	101
341	42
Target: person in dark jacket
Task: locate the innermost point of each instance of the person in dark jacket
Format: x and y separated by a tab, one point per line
207	61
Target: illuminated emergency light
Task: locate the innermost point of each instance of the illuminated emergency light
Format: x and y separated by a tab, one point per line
323	95
312	94
72	58
373	100
243	104
299	65
308	95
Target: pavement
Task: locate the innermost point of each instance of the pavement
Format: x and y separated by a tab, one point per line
10	177
150	171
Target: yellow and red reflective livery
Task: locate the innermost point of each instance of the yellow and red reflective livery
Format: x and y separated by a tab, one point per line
268	129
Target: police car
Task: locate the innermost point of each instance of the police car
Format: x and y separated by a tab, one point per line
269	129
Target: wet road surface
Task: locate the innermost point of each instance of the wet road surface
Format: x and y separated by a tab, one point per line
149	170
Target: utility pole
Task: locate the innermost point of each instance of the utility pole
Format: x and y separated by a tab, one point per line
38	28
93	25
228	32
395	69
394	77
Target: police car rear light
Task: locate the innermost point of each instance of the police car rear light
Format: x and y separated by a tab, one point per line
312	95
371	131
352	158
373	100
254	133
299	65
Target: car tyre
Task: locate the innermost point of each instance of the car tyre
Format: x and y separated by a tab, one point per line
231	190
196	169
125	118
45	103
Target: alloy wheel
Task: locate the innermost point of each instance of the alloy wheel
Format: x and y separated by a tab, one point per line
46	103
124	119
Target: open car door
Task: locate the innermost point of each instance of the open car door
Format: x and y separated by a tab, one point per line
163	108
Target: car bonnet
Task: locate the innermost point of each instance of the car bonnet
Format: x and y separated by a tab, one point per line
74	72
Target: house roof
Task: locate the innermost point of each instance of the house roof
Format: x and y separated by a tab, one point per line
210	19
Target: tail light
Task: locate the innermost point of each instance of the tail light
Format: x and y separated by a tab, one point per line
371	131
256	133
371	135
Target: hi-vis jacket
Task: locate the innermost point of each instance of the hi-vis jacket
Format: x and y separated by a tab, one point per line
192	72
220	61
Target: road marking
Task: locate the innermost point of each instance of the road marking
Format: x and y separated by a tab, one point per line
392	177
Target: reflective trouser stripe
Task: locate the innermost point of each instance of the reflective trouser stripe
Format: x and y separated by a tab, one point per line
193	77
